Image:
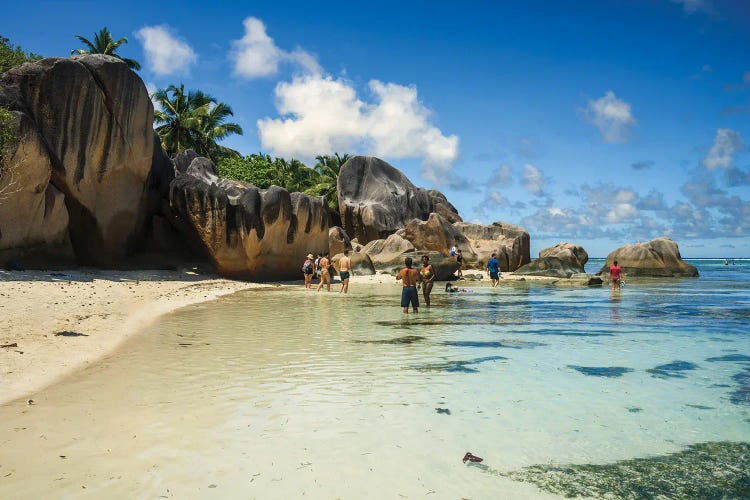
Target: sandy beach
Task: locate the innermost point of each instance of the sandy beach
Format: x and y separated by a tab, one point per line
57	322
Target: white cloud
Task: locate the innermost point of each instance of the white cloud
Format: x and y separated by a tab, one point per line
165	53
501	175
532	179
726	143
256	55
322	115
612	116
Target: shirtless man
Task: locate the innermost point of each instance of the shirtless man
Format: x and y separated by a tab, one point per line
325	276
409	277
345	269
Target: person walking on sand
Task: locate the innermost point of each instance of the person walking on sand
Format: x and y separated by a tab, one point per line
427	273
460	262
307	270
409	277
615	276
325	275
345	268
493	267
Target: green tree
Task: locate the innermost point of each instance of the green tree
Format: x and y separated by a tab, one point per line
193	120
327	169
8	141
105	44
257	169
11	57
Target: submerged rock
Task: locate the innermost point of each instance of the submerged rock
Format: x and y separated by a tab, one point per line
659	257
602	371
674	369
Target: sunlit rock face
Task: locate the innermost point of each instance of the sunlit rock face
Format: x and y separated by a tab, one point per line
561	261
511	244
376	200
86	148
248	233
439	235
659	257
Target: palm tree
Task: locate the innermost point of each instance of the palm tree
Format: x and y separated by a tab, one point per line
328	168
212	127
104	44
193	120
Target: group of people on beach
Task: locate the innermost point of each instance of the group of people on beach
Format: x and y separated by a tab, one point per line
322	268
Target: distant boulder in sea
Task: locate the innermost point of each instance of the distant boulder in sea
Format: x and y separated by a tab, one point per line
659	257
559	261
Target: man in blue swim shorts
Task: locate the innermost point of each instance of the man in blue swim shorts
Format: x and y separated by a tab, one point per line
493	267
409	277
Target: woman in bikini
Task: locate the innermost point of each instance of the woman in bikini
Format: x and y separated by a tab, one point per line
427	273
325	275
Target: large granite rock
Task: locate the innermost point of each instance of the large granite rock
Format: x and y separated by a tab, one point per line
574	255
338	241
438	235
510	243
445	267
361	263
376	199
549	266
387	250
86	138
248	233
659	257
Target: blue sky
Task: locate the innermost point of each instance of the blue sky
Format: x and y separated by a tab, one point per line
597	122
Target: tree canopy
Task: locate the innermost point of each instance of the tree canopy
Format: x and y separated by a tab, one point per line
11	56
104	44
193	120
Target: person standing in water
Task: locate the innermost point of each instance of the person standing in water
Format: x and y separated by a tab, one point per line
345	268
615	275
493	268
427	273
409	277
325	275
460	262
307	270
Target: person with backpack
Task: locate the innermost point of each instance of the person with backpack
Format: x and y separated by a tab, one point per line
307	270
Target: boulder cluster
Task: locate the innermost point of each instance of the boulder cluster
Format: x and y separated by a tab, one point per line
88	183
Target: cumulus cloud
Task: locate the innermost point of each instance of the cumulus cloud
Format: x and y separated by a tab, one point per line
256	55
612	116
532	179
321	114
165	53
726	143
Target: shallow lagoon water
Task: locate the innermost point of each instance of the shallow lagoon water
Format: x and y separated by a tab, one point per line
285	393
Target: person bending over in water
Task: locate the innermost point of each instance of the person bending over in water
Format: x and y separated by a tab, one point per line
345	268
409	277
451	288
427	273
325	275
615	276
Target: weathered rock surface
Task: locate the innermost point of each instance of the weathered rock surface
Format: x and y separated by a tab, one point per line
549	266
571	253
510	243
393	247
248	233
86	130
361	263
438	235
338	241
445	267
659	257
376	199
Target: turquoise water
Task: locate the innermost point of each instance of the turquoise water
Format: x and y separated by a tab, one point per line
285	393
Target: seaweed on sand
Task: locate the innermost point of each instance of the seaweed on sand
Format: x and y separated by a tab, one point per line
409	339
672	370
602	371
704	470
456	366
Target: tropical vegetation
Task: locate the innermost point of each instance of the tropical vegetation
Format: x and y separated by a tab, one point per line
193	120
104	44
11	56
